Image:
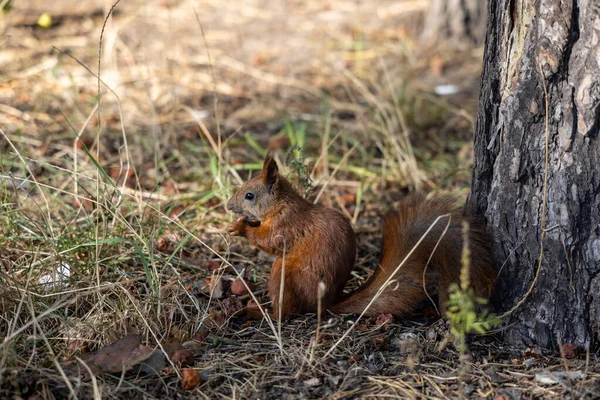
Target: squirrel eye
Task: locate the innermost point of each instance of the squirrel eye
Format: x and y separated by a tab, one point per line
249	196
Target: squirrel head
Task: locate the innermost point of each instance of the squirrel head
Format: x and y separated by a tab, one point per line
255	198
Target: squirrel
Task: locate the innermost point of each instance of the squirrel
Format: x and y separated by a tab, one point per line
317	244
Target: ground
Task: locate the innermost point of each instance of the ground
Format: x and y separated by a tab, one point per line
113	216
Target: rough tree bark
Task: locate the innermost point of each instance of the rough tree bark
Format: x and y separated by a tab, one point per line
530	43
458	21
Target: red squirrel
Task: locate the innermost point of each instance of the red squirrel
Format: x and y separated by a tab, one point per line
317	244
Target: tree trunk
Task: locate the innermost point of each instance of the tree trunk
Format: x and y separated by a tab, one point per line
531	44
458	21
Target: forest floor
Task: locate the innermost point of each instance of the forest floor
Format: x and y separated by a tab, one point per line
112	218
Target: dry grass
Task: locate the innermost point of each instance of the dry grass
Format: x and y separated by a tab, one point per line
131	196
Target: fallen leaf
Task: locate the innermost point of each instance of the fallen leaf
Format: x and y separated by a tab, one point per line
212	265
183	358
532	352
215	286
349	199
190	379
215	320
124	355
232	306
201	335
253	310
259	59
380	342
238	288
436	64
57	279
570	351
167	242
78	336
384	319
353	360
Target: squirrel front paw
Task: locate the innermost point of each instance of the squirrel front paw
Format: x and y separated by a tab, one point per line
237	227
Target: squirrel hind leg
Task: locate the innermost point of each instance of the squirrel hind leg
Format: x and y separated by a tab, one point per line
295	297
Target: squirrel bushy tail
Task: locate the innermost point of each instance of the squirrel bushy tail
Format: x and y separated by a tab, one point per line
402	229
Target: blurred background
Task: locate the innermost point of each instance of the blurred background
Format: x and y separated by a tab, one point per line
395	80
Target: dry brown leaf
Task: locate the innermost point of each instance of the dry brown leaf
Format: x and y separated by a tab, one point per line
238	288
124	355
384	319
190	379
570	351
183	358
212	265
436	64
253	310
215	286
232	306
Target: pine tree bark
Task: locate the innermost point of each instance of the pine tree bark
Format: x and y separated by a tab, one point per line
531	44
461	22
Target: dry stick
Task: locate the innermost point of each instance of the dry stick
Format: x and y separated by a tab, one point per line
544	206
587	366
385	284
429	259
320	294
561	351
96	389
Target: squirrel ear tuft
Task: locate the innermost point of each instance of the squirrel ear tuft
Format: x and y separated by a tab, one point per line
270	173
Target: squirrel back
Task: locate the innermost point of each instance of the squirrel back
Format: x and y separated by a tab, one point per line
429	267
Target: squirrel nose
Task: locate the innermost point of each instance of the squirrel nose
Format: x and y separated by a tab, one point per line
229	206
